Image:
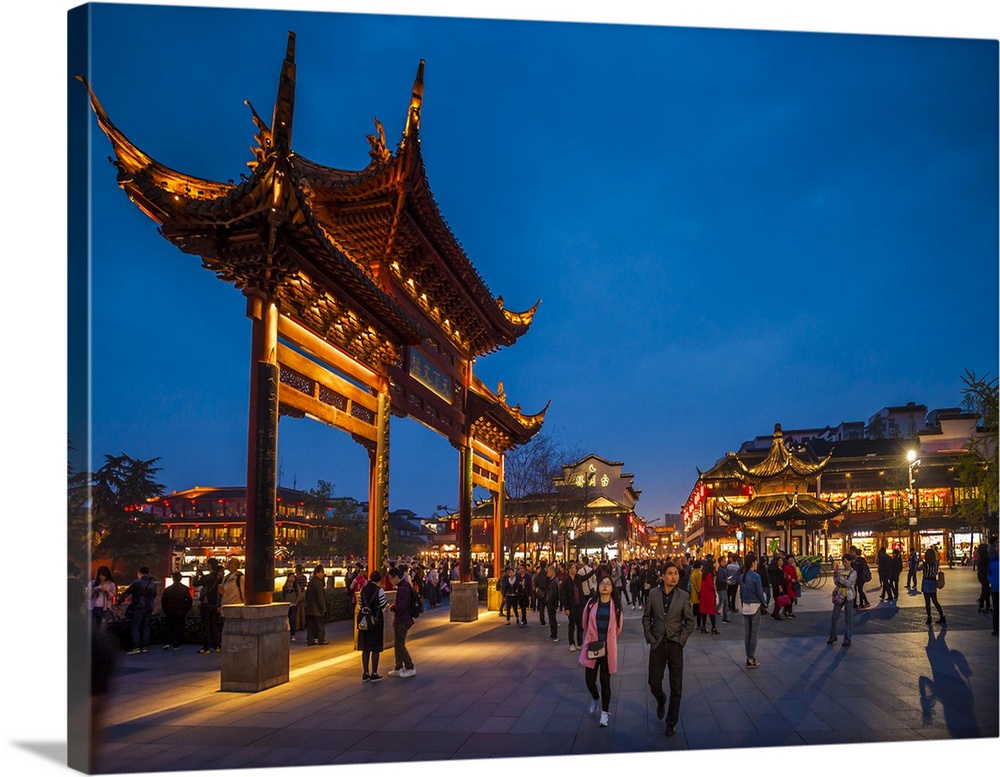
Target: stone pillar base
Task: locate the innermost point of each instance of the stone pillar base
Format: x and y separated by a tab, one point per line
493	597
255	646
464	602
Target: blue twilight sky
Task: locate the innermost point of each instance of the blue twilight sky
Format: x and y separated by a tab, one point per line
727	229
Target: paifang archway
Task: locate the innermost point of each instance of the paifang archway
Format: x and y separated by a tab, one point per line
362	302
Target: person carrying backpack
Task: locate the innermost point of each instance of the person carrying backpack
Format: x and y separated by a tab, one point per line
370	638
864	576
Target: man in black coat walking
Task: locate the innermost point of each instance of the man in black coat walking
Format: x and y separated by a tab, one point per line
667	622
316	607
176	603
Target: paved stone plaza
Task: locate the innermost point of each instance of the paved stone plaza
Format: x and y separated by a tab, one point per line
483	689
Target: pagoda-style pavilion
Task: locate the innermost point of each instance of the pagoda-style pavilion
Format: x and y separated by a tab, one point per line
362	302
780	486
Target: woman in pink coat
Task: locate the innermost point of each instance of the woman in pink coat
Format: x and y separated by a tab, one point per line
708	603
602	622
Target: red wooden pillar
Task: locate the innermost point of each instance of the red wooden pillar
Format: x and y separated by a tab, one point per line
465	514
378	489
262	450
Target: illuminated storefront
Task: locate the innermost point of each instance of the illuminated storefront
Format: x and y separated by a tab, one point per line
871	478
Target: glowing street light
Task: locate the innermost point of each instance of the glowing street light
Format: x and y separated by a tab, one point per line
911	457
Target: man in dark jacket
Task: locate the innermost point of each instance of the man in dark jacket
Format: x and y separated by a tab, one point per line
401	623
776	578
316	608
539	583
882	564
572	602
176	602
141	595
667	622
913	564
551	604
860	565
208	605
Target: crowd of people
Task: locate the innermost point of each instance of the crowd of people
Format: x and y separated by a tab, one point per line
676	596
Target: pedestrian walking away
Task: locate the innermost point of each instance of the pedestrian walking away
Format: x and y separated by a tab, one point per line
864	576
913	566
993	576
845	577
552	601
667	623
895	570
982	569
316	607
752	606
209	603
929	584
371	626
141	595
290	594
176	603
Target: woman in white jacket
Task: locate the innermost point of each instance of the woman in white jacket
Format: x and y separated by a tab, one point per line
845	579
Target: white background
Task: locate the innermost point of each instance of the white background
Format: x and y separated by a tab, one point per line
33	96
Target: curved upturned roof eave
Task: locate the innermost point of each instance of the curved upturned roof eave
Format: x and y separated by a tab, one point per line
132	161
163	193
780	461
406	168
778	506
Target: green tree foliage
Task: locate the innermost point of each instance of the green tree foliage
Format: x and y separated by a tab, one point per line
529	472
118	491
80	539
979	470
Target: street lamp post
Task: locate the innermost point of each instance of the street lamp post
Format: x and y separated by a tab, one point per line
911	457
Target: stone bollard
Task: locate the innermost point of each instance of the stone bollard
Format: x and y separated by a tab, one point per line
255	646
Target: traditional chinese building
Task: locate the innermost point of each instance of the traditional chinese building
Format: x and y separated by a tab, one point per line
362	303
776	497
207	521
729	509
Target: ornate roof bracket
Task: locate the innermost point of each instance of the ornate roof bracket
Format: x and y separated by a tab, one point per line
379	151
518	319
263	137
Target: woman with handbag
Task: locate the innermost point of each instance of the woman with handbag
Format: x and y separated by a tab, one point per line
752	605
371	626
929	584
602	623
845	581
